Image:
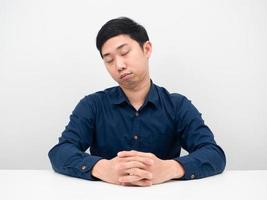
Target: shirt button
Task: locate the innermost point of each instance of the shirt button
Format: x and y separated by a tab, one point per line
137	114
135	137
83	167
192	176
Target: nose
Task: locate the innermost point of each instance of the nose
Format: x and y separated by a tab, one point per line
120	64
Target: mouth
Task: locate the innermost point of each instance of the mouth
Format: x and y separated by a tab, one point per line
123	76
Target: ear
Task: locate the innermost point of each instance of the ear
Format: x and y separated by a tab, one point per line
147	48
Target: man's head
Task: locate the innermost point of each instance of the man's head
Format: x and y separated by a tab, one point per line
125	48
121	26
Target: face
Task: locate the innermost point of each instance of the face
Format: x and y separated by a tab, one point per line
126	61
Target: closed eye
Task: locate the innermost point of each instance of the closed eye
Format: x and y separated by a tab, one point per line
123	53
109	61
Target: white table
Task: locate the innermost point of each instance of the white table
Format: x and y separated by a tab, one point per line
46	184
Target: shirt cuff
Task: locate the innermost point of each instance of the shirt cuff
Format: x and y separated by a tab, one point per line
86	166
190	168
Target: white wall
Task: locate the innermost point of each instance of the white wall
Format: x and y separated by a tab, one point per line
214	52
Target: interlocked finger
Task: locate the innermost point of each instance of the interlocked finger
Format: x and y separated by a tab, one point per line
139	172
134	164
147	161
129	178
142	183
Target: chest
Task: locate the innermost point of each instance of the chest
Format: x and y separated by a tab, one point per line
149	130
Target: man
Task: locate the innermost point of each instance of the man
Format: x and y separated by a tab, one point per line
135	131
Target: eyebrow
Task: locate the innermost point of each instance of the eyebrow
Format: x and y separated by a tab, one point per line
119	47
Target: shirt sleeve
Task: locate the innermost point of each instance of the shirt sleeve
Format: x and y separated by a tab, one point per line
205	158
68	156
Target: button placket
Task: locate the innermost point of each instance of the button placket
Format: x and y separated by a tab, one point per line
135	130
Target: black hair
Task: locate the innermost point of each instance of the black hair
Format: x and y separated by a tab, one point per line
118	26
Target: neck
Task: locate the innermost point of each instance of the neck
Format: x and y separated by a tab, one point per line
136	95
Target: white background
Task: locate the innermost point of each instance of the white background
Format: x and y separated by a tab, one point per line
214	52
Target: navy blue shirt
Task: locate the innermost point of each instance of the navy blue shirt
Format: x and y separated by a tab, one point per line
104	123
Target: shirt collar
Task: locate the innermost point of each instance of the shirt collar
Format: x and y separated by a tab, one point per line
117	96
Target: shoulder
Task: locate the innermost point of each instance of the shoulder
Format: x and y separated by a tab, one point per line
99	97
94	100
173	98
177	104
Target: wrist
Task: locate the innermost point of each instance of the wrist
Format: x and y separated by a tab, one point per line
99	168
177	169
